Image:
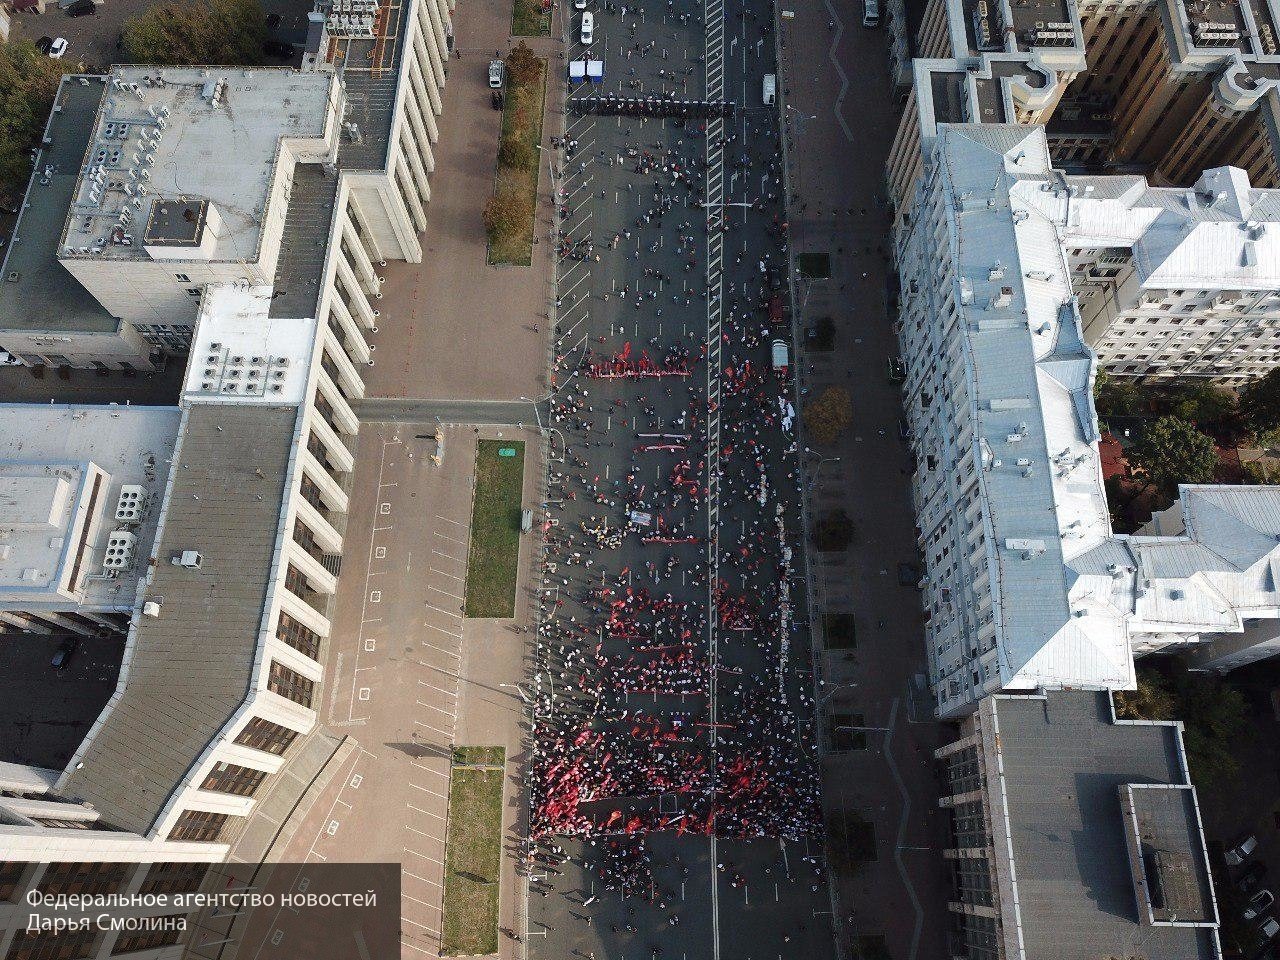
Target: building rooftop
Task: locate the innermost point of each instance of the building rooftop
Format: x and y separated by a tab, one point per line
188	670
36	291
73	478
1076	788
187	157
1034	424
241	352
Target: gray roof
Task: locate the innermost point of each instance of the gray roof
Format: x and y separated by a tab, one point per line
1065	763
305	242
45	296
189	669
371	91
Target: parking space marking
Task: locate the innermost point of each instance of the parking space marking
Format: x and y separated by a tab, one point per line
431	586
422	855
452	576
427	790
447	556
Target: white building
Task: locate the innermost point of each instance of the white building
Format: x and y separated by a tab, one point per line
153	182
80	489
235	573
1025	585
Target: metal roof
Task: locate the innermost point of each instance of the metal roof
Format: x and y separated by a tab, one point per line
188	670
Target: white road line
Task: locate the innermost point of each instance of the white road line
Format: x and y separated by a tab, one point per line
423	833
422	855
432	706
447	556
456	656
434	793
452	576
456	636
456	616
446	537
416	877
447	520
432	586
447	693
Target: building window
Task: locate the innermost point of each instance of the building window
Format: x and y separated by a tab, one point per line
233	779
182	278
150	939
266	736
290	684
199	826
301	638
174	878
11	873
87	878
61	945
193	291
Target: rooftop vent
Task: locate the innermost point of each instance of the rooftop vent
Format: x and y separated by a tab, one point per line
187	559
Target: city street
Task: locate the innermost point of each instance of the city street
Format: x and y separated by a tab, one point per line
674	784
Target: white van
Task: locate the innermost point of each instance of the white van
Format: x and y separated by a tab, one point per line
588	29
769	93
781	357
871	14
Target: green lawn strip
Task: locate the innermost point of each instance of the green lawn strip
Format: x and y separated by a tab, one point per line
493	562
528	19
516	249
479	756
473	861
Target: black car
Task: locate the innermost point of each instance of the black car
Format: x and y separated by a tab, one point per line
44	45
83	8
1252	876
64	653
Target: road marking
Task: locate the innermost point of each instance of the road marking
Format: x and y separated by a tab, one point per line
456	636
431	586
416	877
456	656
422	855
434	793
456	616
432	706
445	537
447	556
452	576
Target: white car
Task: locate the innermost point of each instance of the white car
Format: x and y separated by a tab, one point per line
587	33
579	4
1239	853
58	48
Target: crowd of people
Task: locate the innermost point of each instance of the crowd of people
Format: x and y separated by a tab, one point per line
667	699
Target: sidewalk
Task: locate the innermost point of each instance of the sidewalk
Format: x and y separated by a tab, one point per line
841	119
452	326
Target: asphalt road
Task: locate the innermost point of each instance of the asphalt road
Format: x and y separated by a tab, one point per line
648	269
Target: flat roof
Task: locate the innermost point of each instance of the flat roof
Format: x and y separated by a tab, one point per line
241	352
1064	763
370	69
36	291
192	134
50	453
188	670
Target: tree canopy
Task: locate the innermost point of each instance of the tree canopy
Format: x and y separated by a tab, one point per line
1214	715
1171	451
213	31
28	85
1260	405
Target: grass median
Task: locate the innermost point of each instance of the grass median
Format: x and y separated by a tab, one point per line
473	859
509	215
529	18
494	560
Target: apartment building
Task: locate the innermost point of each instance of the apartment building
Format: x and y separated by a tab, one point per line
160	233
1167	88
1025	585
1074	835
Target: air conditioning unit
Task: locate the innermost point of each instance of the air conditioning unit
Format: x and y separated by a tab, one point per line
119	555
133	500
188	559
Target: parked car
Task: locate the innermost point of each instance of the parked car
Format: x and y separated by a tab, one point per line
1240	851
897	370
871	14
579	4
587	33
1269	929
496	72
83	8
1252	877
64	653
1258	904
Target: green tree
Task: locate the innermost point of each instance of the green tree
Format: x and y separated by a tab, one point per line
28	85
1171	451
1117	396
1260	405
1200	403
1214	715
212	31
